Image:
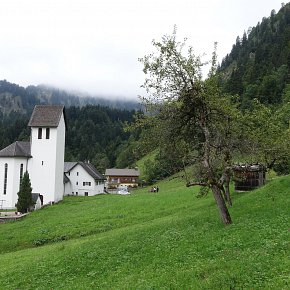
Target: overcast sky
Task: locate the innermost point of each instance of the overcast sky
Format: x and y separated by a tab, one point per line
94	45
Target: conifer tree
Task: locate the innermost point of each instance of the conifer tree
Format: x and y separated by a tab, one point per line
25	195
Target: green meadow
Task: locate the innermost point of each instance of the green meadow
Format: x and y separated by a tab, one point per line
165	240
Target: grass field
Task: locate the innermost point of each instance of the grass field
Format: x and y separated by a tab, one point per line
169	240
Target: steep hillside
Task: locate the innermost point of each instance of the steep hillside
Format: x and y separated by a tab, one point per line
169	240
258	64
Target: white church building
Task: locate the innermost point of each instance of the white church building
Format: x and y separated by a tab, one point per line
42	157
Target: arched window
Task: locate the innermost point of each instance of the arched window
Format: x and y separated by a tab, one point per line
21	173
5	178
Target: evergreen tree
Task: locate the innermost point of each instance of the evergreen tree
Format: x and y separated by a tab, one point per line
25	195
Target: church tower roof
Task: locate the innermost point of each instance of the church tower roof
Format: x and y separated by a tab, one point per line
16	149
46	116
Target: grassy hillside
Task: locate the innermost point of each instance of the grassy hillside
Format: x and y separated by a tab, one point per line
141	163
169	240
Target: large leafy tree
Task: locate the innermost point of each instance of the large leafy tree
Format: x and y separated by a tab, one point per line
187	108
25	195
268	135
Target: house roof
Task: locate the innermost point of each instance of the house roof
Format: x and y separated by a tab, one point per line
249	167
35	196
91	170
122	172
65	178
88	167
68	166
16	149
46	116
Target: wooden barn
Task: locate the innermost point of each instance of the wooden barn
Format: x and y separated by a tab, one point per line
249	176
122	177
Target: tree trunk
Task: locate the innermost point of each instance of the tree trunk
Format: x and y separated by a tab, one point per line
228	193
207	163
223	210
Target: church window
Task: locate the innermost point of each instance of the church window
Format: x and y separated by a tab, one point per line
21	173
86	183
39	133
5	178
47	133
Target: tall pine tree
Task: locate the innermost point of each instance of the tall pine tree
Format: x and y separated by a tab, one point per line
25	195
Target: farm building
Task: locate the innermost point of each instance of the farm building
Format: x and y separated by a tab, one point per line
122	177
249	176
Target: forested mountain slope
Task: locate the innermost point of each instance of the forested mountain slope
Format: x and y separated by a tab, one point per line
258	64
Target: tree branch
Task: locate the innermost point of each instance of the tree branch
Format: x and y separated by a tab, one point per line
189	184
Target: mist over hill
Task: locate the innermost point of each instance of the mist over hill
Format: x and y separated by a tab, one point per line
15	98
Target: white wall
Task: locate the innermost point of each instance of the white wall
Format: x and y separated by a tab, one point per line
77	176
47	164
59	187
37	204
9	200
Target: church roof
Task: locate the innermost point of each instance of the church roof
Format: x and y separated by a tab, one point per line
46	116
88	167
16	149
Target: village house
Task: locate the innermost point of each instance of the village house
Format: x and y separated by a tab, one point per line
42	157
82	178
122	177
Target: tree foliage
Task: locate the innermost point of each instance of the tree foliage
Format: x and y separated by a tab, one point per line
267	130
188	109
24	195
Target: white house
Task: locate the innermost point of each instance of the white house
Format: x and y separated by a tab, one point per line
42	157
82	178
